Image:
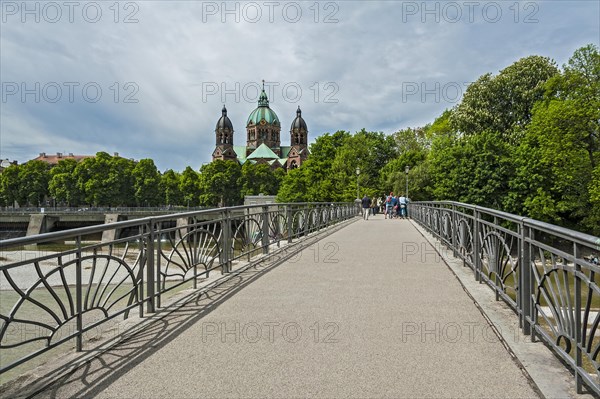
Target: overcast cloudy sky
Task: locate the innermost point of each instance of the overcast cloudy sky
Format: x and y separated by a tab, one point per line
147	79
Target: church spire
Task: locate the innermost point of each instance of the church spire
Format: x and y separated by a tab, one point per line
263	101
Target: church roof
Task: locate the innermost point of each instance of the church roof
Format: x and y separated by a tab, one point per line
263	112
298	123
240	151
263	152
285	150
224	122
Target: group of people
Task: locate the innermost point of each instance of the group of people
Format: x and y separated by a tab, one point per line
393	206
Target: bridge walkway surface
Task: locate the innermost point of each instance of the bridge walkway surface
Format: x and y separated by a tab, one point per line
368	311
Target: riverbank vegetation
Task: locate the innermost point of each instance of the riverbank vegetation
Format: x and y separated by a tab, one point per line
525	140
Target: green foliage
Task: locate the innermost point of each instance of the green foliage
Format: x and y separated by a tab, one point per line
219	183
556	162
593	217
526	141
412	149
368	151
189	186
105	180
329	175
325	147
503	103
121	176
441	126
293	186
146	183
33	183
9	185
169	188
63	183
258	179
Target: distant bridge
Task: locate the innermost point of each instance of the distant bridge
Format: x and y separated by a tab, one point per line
16	222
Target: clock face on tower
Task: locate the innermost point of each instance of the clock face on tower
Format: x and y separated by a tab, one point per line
263	122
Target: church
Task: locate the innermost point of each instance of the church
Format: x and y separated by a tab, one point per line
263	144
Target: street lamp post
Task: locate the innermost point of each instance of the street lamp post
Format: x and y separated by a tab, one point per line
406	169
357	187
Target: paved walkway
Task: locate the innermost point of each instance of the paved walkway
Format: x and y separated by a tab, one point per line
369	311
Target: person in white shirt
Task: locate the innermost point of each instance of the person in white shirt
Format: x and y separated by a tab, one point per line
403	206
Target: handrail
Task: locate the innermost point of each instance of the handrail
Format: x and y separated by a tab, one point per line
547	274
135	264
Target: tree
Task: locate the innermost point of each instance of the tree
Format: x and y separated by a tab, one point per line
326	146
593	218
33	182
169	188
9	185
219	183
413	146
189	187
557	159
258	179
503	103
368	151
105	181
316	182
293	185
146	182
63	182
121	176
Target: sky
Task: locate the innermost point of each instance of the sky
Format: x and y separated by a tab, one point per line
148	79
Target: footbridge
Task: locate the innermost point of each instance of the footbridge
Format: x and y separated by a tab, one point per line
303	300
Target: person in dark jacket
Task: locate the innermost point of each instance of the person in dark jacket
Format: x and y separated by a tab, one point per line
366	206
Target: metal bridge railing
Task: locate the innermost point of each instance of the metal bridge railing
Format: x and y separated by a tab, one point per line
52	295
547	274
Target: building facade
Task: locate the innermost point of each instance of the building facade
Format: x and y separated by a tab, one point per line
263	138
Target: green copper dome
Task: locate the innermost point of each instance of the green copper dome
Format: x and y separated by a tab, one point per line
263	112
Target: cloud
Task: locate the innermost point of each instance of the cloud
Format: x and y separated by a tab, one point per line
349	65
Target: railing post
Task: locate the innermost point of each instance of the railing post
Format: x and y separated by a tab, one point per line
306	214
319	217
534	310
577	337
157	303
265	230
150	268
79	295
143	261
476	246
277	236
288	218
525	279
454	231
225	247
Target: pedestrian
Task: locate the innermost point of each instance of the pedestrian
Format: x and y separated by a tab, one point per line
403	207
389	205
366	206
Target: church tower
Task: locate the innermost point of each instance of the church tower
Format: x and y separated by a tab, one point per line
224	138
263	127
299	142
